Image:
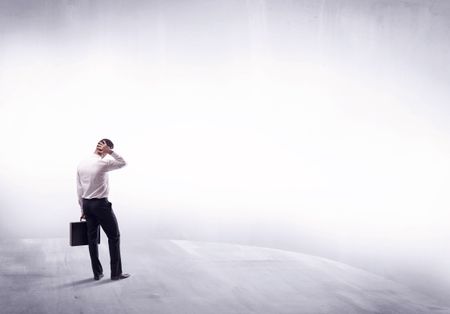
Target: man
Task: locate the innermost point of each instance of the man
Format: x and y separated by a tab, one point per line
93	188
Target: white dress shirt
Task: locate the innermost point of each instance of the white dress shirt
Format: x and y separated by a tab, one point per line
92	176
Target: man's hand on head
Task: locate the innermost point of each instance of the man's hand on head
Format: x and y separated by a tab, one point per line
103	148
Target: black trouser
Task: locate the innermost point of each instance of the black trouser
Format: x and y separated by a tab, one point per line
99	211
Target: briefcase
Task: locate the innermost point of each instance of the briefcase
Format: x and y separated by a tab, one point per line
78	233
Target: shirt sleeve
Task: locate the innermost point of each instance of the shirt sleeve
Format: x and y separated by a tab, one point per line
79	191
116	163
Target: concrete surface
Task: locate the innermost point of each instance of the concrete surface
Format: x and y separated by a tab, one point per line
174	276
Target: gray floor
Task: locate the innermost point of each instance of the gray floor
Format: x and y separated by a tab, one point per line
48	276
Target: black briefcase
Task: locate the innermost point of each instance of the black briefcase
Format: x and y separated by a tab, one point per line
78	233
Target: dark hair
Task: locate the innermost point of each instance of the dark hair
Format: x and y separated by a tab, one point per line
108	142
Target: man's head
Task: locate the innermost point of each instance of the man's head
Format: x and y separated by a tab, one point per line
102	143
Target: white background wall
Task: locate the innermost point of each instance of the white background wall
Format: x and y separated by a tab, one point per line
316	126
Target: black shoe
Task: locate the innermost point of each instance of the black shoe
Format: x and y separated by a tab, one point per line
98	277
121	276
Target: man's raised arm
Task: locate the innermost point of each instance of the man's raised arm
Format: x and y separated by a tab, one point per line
116	163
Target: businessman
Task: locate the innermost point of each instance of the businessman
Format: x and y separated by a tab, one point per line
93	188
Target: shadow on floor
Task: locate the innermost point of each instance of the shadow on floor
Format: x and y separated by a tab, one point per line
86	281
